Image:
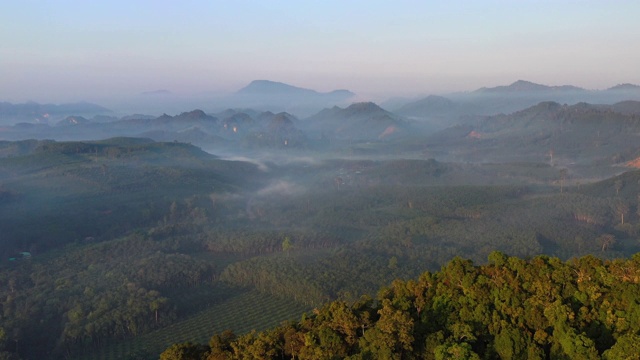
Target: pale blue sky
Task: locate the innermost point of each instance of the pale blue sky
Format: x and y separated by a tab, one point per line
67	50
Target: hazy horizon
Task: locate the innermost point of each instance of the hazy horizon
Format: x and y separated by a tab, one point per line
67	51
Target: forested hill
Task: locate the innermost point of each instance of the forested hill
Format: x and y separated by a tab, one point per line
511	308
55	193
566	134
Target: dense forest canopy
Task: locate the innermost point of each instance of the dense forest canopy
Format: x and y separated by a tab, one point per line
510	308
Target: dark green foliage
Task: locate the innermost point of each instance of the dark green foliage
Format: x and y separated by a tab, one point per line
184	351
100	190
508	309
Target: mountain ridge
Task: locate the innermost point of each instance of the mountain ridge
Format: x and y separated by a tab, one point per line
524	86
42	113
275	87
358	121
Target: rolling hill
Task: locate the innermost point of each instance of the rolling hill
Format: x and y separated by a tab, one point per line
527	86
521	94
581	133
33	112
357	122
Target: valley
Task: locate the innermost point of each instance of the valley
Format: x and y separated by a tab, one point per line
146	231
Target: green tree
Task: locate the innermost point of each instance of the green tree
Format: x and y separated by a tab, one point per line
287	245
455	351
621	209
157	303
220	345
607	241
510	344
618	184
392	333
626	348
393	263
185	351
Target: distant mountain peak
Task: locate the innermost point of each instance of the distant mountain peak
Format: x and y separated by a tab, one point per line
194	114
268	87
545	106
278	96
281	120
164	116
432	101
519	85
364	106
283	116
341	92
626	86
355	109
272	87
73	120
432	105
527	86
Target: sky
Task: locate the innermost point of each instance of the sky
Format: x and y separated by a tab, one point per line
63	50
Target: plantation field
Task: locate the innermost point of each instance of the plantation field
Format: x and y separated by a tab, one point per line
246	311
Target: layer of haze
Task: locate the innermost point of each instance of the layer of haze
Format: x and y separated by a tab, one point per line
58	51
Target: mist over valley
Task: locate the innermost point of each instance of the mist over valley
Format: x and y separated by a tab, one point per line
119	228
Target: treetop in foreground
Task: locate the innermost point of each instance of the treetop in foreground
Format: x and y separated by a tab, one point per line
510	308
